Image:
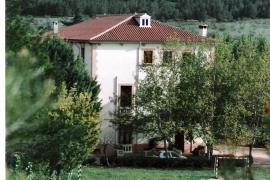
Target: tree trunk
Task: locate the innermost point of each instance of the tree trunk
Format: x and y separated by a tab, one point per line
250	155
105	155
166	149
209	150
190	146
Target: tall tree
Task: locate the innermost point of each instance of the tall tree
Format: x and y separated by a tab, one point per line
242	81
63	66
194	95
28	90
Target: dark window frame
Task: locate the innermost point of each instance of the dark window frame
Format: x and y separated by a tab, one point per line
124	102
82	52
124	135
148	57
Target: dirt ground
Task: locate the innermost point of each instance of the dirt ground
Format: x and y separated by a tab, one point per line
260	155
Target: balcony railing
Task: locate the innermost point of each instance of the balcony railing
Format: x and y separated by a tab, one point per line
125	109
127	148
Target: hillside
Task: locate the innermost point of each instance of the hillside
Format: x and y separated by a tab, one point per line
222	10
256	27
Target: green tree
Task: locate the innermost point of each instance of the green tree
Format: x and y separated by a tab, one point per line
251	10
18	33
27	90
242	80
70	133
194	94
63	66
76	19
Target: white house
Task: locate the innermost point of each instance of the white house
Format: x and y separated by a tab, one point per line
113	47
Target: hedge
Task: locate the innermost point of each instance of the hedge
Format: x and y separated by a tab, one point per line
193	162
133	161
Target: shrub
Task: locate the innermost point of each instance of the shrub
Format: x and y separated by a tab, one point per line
71	133
89	161
191	162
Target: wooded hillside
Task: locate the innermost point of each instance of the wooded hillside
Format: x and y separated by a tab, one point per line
222	10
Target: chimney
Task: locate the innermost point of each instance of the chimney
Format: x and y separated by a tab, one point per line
203	30
55	27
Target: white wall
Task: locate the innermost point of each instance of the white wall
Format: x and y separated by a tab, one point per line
88	52
76	49
116	65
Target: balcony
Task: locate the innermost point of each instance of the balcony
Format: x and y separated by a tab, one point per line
125	110
127	148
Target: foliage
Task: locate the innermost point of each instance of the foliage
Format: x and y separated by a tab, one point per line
70	134
222	10
241	88
76	19
63	66
194	93
27	90
29	93
18	34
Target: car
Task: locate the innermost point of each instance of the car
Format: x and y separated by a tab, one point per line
171	155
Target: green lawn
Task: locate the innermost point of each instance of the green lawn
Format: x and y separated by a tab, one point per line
121	173
96	173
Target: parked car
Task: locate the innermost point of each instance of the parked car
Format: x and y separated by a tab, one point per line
171	155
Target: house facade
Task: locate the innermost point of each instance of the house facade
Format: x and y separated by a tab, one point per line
113	48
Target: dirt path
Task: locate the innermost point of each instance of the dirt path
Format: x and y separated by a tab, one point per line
260	155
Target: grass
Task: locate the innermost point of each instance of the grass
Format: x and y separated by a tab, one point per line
159	174
256	27
122	173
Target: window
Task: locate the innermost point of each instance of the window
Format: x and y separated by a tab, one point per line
82	52
146	22
143	22
167	56
124	136
148	57
126	96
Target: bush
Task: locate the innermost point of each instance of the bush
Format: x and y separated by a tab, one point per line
70	134
89	161
232	163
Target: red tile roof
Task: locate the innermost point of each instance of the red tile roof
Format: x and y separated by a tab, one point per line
124	28
90	28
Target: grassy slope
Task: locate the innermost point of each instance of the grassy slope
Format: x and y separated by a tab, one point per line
255	27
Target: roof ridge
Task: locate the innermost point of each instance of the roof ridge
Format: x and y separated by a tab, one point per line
109	29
